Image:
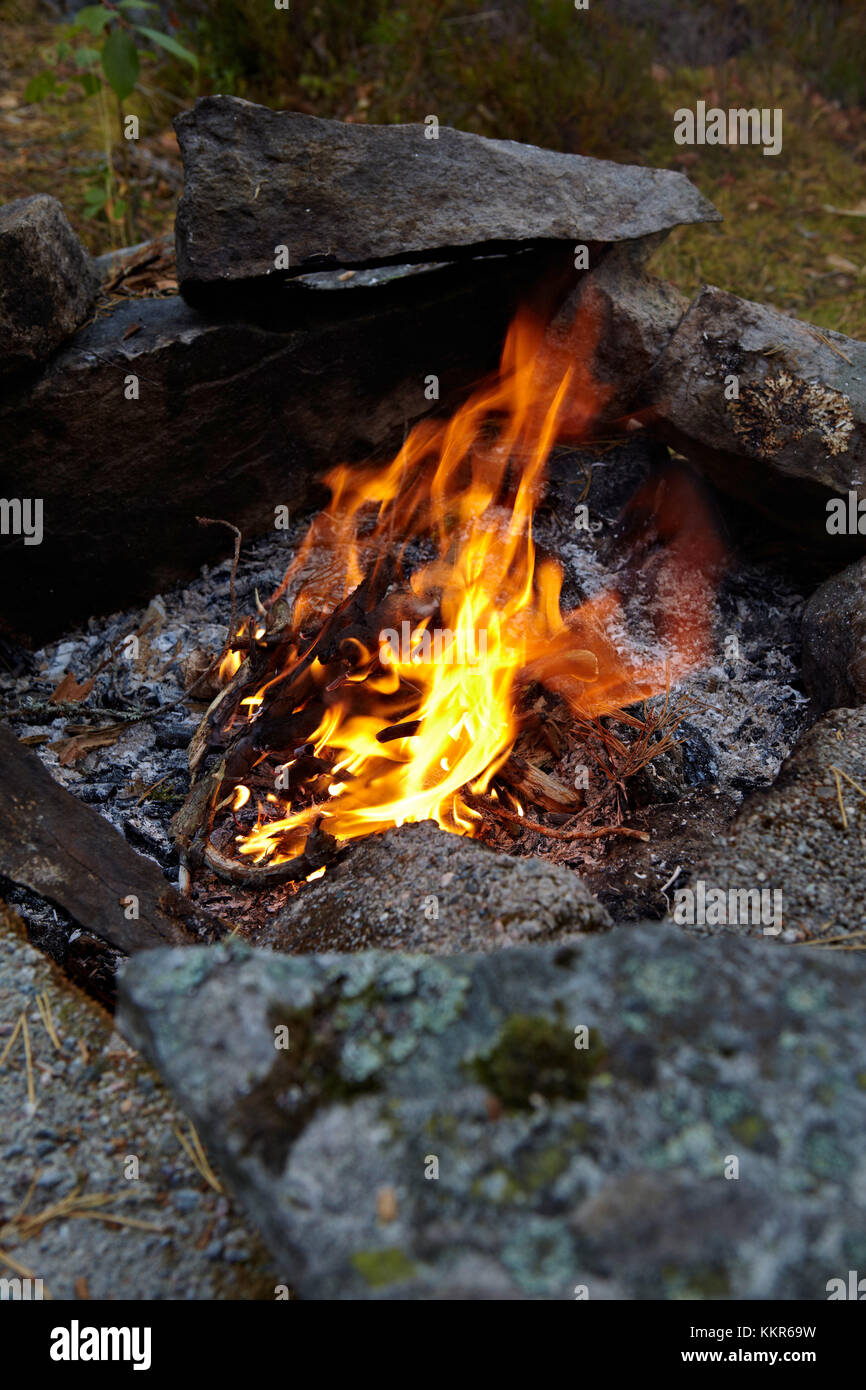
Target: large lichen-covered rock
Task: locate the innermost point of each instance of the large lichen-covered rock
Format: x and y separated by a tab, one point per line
834	640
352	195
418	888
640	1115
47	281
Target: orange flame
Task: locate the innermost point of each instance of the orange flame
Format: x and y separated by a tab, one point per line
464	491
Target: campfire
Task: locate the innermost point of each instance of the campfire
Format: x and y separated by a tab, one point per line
521	626
426	643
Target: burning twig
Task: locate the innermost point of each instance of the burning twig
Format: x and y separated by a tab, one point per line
540	788
357	711
211	521
319	851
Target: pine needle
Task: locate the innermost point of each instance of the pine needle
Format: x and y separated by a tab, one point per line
29	1193
832	940
822	338
197	1156
843	812
31	1089
152	788
209	1173
45	1014
112	1218
14	1264
22	1270
8	1048
838	774
848	778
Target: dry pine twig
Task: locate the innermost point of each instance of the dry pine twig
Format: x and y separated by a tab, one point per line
77	1205
581	833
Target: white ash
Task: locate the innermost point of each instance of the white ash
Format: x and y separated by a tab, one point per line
117	780
747	705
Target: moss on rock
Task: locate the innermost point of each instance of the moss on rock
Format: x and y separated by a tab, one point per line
380	1267
535	1056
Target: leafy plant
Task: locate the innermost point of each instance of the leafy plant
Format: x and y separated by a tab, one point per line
109	70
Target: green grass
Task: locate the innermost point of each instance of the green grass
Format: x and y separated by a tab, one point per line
777	243
532	70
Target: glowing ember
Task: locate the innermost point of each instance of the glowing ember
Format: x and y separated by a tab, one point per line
421	715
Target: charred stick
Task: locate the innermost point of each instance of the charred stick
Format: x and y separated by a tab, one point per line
63	849
405	730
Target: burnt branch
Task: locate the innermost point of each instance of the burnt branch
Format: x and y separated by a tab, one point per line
61	848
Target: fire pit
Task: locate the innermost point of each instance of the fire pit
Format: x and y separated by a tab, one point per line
524	643
530	627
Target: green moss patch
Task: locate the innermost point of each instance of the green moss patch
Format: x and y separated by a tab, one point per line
380	1267
535	1056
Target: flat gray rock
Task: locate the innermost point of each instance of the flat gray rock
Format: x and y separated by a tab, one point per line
355	195
793	839
433	1130
798	418
47	281
636	315
420	889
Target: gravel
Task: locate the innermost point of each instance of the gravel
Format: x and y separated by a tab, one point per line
97	1104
